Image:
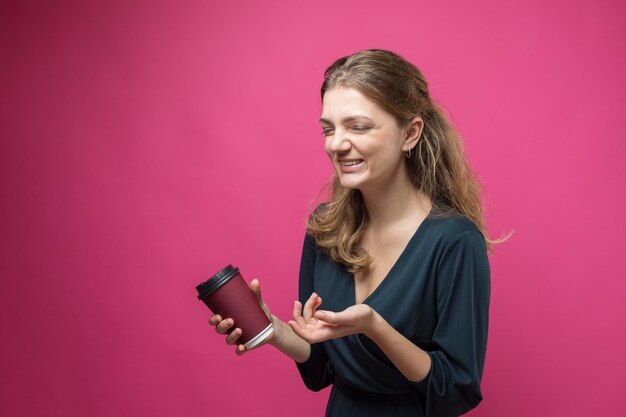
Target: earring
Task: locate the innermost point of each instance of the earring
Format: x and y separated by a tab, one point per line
408	153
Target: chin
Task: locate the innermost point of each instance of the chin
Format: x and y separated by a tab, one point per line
353	181
350	184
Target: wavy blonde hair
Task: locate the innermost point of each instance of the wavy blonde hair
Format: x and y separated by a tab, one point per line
437	166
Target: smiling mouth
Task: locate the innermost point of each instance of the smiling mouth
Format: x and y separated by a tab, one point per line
350	162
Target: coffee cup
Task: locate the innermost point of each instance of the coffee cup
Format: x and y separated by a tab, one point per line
227	294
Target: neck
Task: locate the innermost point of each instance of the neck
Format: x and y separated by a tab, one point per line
396	203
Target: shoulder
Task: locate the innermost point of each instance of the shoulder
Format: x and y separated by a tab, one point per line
451	226
314	218
447	231
458	247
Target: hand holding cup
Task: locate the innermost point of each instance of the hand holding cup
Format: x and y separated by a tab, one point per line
239	310
224	326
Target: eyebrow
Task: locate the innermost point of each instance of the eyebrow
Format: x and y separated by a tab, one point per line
346	119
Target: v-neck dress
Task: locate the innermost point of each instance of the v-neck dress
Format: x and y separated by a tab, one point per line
436	295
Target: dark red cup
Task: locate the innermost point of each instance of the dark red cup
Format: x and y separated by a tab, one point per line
227	294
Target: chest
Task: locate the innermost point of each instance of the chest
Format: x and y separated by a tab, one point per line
385	252
405	297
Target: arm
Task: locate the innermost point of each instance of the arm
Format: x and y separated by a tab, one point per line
411	361
315	326
316	371
460	337
283	338
288	342
449	375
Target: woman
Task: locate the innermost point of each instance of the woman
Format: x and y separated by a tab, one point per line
397	257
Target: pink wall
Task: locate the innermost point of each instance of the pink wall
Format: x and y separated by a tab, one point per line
145	146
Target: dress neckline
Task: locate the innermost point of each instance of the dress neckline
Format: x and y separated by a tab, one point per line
393	267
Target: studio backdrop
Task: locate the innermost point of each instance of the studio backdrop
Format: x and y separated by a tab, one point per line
147	144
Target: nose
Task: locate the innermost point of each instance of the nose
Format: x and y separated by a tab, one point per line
339	142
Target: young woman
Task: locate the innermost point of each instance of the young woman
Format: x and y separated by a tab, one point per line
397	257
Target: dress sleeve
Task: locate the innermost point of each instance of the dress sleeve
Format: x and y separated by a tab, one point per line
463	288
316	372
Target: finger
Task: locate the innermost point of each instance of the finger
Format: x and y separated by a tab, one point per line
326	316
297	309
318	301
215	320
294	326
309	307
297	314
342	318
224	325
318	335
231	339
299	321
240	350
255	286
298	330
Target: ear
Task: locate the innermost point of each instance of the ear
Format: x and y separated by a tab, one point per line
413	133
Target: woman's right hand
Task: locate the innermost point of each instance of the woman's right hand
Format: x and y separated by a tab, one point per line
224	326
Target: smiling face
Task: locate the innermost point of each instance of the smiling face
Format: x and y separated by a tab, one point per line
364	143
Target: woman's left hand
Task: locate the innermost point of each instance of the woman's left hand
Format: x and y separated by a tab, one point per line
316	326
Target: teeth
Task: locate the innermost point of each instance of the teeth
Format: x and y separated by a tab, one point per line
348	163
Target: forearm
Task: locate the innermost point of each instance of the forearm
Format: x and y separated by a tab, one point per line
413	362
288	342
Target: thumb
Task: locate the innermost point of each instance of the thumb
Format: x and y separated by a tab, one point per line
327	316
255	286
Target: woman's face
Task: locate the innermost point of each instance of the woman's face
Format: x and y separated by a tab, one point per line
363	141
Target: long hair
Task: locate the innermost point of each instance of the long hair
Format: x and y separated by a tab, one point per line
437	166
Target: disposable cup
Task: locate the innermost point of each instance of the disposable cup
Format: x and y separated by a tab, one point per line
227	294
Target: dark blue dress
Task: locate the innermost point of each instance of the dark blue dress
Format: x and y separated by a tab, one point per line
436	295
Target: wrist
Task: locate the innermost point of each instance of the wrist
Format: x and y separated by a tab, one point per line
375	325
286	341
277	325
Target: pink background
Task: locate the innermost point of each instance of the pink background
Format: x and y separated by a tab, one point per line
146	145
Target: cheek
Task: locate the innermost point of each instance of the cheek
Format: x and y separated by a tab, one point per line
327	148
